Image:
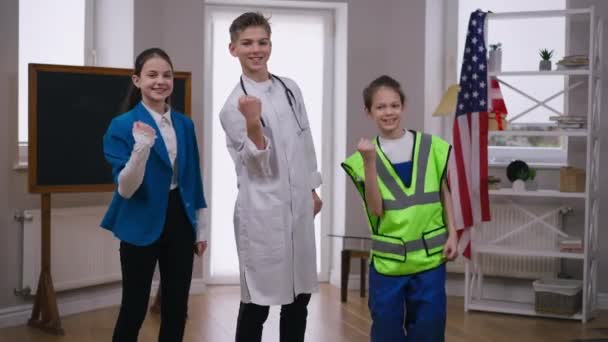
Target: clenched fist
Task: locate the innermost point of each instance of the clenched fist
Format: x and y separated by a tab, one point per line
367	149
251	108
143	133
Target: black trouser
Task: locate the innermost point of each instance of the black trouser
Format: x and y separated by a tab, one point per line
174	251
250	322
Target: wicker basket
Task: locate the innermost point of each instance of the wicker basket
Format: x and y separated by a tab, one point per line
558	296
571	179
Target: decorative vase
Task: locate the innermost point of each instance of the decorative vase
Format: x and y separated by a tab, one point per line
519	185
544	65
495	60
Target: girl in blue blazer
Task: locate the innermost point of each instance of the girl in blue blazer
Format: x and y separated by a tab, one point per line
158	206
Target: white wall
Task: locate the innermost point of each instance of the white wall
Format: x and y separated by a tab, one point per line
434	57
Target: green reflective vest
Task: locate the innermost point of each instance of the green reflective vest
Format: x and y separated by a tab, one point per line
409	237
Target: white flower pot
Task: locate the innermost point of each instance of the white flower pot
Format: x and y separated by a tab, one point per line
519	185
495	60
544	65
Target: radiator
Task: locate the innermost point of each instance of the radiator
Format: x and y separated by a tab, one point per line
505	218
82	253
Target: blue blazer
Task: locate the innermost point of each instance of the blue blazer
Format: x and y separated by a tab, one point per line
140	219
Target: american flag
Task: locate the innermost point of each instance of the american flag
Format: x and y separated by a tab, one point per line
468	167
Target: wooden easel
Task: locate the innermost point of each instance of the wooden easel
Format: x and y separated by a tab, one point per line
45	315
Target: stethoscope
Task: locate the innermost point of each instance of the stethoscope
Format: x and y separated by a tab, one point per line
291	99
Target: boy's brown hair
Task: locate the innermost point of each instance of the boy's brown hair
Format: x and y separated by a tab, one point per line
382	81
246	20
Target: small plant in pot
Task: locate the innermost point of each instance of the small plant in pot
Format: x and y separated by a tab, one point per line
522	176
495	57
545	62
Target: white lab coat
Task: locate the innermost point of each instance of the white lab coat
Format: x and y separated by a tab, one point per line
273	215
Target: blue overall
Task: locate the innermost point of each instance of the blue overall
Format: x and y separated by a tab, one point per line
408	308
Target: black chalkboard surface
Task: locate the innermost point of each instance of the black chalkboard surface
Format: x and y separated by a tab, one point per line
70	108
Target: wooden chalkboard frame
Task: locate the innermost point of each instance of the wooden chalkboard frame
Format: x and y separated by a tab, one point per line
34	187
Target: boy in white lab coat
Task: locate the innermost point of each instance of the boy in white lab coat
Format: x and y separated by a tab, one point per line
269	139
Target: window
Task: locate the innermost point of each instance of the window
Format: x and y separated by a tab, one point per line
521	40
50	32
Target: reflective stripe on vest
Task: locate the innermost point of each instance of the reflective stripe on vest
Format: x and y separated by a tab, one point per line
411	246
402	200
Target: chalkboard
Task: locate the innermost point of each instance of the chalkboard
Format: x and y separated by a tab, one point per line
70	109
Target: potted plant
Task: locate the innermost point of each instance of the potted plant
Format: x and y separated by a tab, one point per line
545	62
531	183
522	176
495	57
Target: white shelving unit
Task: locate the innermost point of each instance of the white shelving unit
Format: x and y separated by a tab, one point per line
556	133
517	308
502	250
575	72
474	275
537	193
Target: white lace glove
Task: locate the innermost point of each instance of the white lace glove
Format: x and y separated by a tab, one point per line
132	175
144	135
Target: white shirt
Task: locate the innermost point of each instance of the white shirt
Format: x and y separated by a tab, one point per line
164	123
132	175
398	150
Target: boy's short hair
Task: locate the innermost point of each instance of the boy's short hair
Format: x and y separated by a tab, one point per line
382	81
246	20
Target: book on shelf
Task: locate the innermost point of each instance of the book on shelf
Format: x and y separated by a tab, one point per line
571	244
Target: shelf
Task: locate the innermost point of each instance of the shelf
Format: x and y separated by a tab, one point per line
556	133
573	72
502	250
526	309
537	193
537	14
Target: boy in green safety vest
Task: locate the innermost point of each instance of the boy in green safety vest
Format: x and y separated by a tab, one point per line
401	177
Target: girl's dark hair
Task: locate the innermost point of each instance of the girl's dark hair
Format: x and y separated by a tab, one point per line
134	94
382	81
246	20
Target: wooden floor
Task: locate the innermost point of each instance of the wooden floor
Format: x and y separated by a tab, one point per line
212	319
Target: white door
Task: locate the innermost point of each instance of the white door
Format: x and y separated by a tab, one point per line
302	50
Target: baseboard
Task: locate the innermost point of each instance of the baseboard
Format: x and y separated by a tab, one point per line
20	314
15	315
197	286
495	288
602	301
354	283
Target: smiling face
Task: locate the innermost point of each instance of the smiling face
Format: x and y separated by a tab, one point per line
155	82
252	47
386	110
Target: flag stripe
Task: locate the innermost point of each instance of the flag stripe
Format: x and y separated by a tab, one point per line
483	162
455	193
460	149
474	168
